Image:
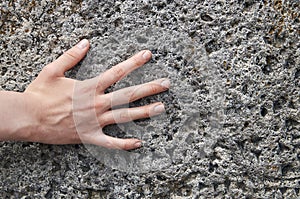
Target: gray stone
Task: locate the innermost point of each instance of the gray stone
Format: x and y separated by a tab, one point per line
231	129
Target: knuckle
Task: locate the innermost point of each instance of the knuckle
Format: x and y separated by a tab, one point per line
96	83
103	121
124	116
146	112
101	104
99	86
126	145
109	144
102	101
118	72
129	95
98	104
72	55
153	88
136	61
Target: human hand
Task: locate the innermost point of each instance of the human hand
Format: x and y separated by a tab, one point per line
61	107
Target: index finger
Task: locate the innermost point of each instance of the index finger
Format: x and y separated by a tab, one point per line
119	71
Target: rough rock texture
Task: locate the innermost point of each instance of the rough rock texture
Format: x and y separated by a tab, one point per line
233	113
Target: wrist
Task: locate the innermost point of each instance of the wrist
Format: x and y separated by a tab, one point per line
17	116
26	124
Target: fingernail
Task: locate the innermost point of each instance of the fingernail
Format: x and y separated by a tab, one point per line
138	144
83	44
159	108
147	54
166	83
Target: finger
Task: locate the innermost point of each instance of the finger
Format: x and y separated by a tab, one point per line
69	59
130	114
101	139
134	93
123	144
119	71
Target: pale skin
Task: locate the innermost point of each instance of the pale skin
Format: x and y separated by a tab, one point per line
59	110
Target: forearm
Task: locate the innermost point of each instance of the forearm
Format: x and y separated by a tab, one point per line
15	116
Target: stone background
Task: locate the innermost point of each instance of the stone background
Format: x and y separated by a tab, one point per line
233	107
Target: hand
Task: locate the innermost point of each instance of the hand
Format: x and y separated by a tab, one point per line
68	111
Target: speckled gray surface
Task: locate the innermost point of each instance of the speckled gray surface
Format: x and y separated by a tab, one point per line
232	124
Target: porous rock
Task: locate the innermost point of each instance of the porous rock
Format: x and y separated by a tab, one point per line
231	128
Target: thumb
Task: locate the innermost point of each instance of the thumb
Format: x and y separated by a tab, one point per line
69	59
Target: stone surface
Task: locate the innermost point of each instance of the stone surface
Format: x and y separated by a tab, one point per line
231	129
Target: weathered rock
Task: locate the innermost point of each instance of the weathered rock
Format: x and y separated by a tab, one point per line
231	129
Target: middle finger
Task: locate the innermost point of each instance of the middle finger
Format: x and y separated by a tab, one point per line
130	94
